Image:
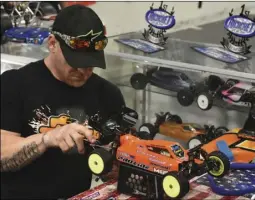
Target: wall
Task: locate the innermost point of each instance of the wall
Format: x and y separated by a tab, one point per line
122	17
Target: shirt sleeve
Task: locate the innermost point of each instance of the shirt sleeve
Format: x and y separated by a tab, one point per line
11	104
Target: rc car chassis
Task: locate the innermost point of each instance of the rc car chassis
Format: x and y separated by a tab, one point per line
168	161
232	91
172	125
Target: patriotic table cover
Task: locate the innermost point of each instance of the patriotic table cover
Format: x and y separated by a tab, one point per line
200	188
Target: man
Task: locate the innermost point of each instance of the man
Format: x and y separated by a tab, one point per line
43	106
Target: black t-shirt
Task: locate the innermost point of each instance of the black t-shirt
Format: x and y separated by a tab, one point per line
32	101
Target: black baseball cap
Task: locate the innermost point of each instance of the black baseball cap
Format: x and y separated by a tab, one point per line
79	20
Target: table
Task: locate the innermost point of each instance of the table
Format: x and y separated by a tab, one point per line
108	190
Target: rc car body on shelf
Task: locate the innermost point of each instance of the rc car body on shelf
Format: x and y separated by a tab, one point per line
171	125
33	35
166	161
165	78
235	95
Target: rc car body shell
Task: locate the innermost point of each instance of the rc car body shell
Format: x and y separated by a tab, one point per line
34	35
158	156
184	131
234	94
170	79
241	145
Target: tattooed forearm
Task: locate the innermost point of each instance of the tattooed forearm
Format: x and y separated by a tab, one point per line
21	158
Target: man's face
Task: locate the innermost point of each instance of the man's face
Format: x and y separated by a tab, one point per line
75	77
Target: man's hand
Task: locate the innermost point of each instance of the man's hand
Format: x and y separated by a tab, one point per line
68	136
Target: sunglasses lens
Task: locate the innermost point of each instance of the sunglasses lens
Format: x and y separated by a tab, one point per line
72	43
100	45
83	44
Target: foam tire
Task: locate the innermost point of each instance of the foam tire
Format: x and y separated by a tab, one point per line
177	119
46	8
231	82
145	135
147	131
205	101
100	161
219	164
6	24
138	81
221	130
175	186
185	97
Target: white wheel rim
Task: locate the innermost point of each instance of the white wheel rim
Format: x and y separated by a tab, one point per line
203	101
145	129
194	142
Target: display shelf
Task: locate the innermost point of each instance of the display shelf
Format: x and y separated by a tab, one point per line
178	54
124	81
28	51
121	80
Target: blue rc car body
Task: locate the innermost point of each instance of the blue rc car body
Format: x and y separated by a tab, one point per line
33	35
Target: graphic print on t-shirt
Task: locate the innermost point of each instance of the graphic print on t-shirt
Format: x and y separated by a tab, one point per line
45	120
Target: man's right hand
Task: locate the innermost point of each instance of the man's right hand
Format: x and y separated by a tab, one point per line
68	136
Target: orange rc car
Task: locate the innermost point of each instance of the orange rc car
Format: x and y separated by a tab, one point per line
172	126
151	168
239	147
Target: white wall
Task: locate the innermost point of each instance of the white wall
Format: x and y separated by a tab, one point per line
122	17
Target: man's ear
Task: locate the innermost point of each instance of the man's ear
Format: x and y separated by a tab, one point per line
52	43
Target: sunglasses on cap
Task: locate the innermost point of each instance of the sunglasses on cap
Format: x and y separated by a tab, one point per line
88	41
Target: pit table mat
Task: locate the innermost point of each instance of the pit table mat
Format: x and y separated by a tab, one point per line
108	191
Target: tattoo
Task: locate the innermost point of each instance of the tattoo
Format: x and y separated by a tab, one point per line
24	156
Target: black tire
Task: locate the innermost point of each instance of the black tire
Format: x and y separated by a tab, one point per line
46	8
185	97
147	131
221	130
98	157
205	101
8	6
218	164
231	82
176	118
214	82
6	24
138	81
145	135
179	181
195	141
